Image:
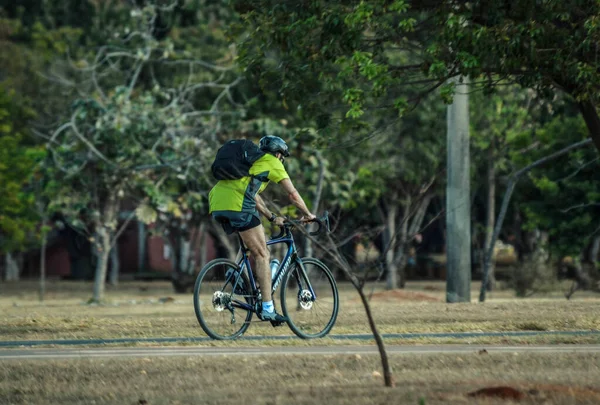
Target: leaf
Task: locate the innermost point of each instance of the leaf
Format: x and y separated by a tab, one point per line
146	214
173	208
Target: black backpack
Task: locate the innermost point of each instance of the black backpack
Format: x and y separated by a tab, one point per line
234	159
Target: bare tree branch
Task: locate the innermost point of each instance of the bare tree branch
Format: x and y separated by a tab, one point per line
43	136
88	143
514	178
134	79
533	146
59	131
122	228
578	206
580	168
200	63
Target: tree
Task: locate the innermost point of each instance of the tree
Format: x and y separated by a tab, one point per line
330	53
18	159
398	173
500	121
145	125
565	201
543	48
514	178
32	37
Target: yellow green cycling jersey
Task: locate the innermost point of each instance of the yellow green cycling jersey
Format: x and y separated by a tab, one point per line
240	195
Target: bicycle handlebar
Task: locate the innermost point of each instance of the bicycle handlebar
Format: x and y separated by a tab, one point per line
322	221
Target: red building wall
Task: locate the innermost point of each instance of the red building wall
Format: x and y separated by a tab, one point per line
58	263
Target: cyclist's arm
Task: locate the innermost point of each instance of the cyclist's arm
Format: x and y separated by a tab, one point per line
262	207
295	197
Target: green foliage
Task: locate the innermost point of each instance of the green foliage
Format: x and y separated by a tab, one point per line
539	47
502	124
18	216
565	195
29	50
338	78
546	186
153	99
366	55
321	52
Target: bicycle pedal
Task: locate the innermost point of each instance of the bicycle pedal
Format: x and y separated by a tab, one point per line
277	323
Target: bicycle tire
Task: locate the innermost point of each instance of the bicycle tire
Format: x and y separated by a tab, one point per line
198	305
296	326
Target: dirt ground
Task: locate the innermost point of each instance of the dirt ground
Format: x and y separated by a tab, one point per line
402	295
496	378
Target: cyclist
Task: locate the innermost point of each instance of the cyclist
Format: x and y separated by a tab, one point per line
237	205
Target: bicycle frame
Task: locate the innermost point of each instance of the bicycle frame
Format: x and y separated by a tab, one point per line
291	255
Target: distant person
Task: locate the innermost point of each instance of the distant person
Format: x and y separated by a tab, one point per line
237	206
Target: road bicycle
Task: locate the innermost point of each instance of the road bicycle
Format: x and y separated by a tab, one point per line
226	295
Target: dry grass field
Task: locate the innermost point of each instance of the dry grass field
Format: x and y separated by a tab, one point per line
150	309
279	379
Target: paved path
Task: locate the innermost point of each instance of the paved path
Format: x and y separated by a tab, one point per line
38	354
199	339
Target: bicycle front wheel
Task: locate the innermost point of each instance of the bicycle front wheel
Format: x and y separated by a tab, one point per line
218	304
309	299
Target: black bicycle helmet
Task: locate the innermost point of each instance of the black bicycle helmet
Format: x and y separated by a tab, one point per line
273	144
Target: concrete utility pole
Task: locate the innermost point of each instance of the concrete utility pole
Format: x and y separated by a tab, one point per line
458	205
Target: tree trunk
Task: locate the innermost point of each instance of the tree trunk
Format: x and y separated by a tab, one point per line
400	256
417	220
196	237
103	241
491	215
225	241
173	252
333	251
407	234
115	264
594	250
141	247
308	249
203	247
385	364
581	278
458	210
390	230
11	268
183	259
103	249
184	254
590	115
42	292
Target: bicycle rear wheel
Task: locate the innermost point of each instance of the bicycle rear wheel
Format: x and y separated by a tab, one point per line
309	316
217	303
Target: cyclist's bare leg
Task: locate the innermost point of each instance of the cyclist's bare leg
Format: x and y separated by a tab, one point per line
255	240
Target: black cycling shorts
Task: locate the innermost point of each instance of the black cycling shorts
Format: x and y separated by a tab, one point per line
237	221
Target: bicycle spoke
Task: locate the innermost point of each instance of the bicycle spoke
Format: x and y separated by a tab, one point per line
310	305
218	305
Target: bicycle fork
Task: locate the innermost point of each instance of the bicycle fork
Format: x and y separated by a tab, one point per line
306	293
